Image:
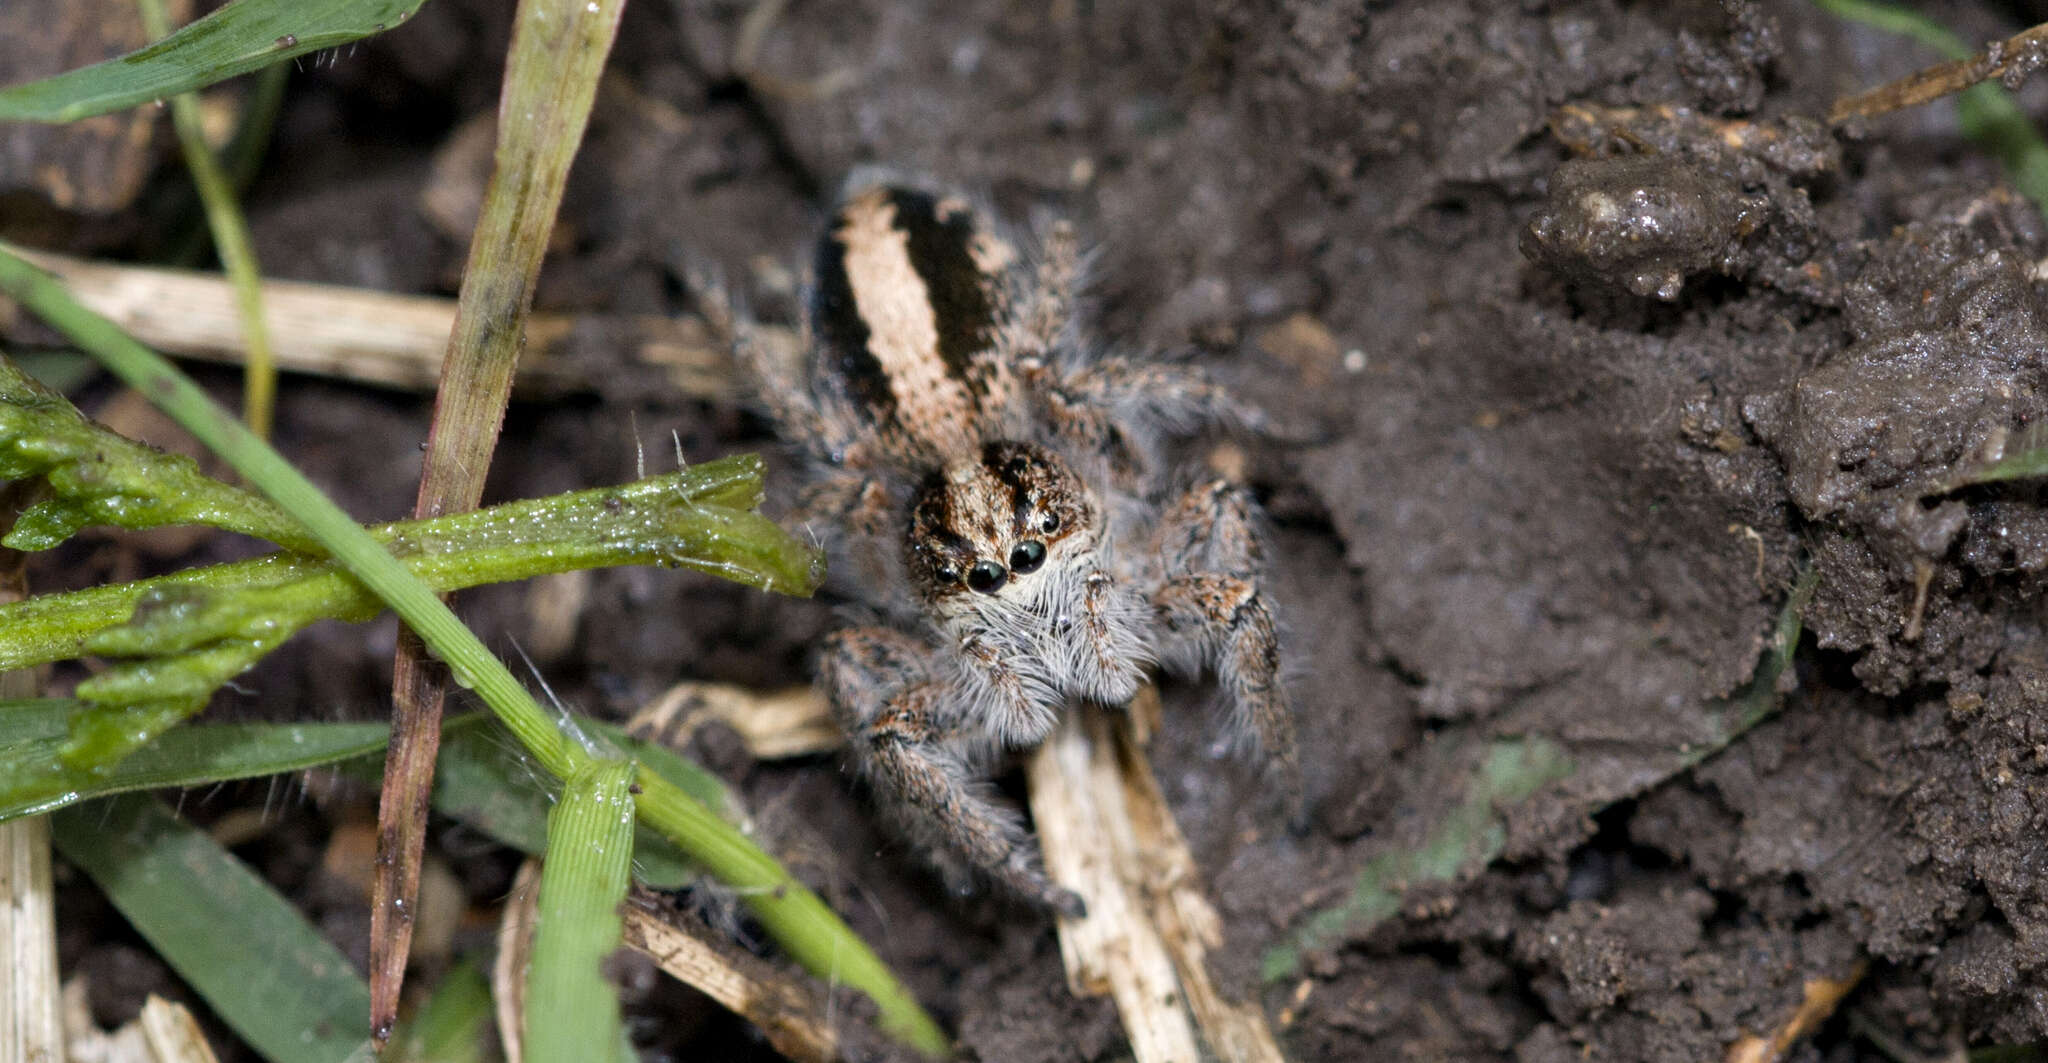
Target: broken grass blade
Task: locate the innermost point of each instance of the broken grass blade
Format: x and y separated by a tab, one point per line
260	965
243	36
810	931
1507	771
582	882
1510	770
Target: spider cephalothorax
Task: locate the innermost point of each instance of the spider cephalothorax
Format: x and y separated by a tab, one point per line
978	524
994	492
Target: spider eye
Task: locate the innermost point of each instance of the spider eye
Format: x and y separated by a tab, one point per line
949	573
986	577
1027	556
1049	523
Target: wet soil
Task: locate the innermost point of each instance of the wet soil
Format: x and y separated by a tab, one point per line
1589	340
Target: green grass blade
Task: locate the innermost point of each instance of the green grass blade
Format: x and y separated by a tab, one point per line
34	777
230	238
243	36
2026	458
260	965
450	1027
27	719
571	1010
60	371
482	780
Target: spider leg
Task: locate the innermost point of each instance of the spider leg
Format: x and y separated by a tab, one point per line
1213	612
1214	618
846	499
1115	412
1175	398
1110	613
1012	704
1210	527
771	360
1046	313
882	689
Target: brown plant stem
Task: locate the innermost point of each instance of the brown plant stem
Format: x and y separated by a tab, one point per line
558	51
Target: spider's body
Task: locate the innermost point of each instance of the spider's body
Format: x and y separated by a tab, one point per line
993	491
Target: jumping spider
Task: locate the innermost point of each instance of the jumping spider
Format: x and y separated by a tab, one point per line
992	487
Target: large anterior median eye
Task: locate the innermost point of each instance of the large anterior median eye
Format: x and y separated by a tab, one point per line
1026	556
986	577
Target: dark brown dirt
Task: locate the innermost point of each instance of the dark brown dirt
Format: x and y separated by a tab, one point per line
1598	340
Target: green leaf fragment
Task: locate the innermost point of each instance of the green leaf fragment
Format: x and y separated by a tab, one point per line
260	965
35	778
450	1027
1508	771
244	36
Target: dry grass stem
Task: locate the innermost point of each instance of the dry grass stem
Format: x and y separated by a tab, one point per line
165	1032
1109	835
1078	799
31	1012
2011	59
508	971
366	336
173	1034
783	1008
1821	997
31	1020
88	1043
1172	888
774	725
